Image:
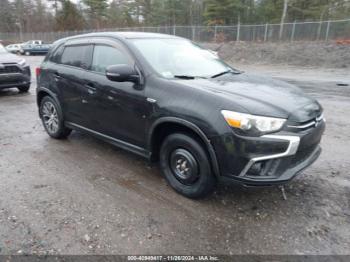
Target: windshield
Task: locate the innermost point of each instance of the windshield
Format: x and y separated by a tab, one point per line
178	57
2	49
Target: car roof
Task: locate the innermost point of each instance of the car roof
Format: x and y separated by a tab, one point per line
131	35
122	35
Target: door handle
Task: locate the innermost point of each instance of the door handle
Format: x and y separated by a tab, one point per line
91	89
57	76
91	92
90	86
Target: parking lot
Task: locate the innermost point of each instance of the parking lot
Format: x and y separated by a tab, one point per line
83	196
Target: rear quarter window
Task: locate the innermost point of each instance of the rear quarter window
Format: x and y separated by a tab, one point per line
55	55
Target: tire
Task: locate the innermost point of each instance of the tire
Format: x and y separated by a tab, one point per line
24	89
186	166
52	118
27	53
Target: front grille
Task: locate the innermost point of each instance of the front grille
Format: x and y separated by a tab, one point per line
308	124
9	69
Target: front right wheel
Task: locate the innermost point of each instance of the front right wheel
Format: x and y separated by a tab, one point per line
186	166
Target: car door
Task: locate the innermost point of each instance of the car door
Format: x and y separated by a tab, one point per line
69	78
116	109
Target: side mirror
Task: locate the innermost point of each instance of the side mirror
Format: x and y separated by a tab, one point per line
122	73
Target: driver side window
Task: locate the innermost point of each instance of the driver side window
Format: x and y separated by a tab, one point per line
105	56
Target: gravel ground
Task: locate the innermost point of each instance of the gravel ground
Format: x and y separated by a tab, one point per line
83	196
318	54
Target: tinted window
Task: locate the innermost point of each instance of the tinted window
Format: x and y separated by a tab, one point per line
105	56
78	56
56	56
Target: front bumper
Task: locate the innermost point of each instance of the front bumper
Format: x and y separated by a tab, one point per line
17	79
270	159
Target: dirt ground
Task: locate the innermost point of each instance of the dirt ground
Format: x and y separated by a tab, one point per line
83	196
306	54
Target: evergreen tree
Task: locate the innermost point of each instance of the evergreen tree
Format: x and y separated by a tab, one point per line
35	16
119	15
69	17
223	11
97	12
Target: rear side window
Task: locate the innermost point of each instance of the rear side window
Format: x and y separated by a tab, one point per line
56	56
105	56
78	56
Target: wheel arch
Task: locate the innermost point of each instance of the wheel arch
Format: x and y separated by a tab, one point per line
167	125
42	92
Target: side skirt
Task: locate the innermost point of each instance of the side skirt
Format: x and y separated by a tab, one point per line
116	142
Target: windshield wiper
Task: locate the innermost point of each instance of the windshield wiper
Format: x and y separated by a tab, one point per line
188	77
222	73
226	72
184	77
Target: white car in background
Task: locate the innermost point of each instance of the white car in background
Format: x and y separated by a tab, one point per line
15	48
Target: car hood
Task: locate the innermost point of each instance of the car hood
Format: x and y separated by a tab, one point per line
9	58
260	95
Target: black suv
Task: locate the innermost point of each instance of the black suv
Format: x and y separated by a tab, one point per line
14	71
167	99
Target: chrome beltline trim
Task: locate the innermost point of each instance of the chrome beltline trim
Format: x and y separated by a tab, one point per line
293	146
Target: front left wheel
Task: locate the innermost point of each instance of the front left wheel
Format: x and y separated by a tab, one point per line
52	118
186	165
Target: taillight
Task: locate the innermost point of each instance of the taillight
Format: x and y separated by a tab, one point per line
37	71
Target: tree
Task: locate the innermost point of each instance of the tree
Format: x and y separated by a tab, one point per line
119	15
55	5
223	11
177	12
34	16
7	19
97	11
68	18
40	18
23	12
283	17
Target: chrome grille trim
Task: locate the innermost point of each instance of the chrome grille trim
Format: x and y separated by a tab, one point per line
293	146
314	122
319	118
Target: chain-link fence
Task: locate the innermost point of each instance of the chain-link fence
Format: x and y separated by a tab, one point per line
298	31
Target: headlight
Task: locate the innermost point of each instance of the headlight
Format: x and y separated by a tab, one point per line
252	123
23	62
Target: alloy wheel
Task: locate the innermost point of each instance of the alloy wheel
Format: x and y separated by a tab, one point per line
50	117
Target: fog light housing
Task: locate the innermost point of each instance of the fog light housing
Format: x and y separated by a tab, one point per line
265	168
256	169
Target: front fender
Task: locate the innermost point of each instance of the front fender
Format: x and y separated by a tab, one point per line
191	126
